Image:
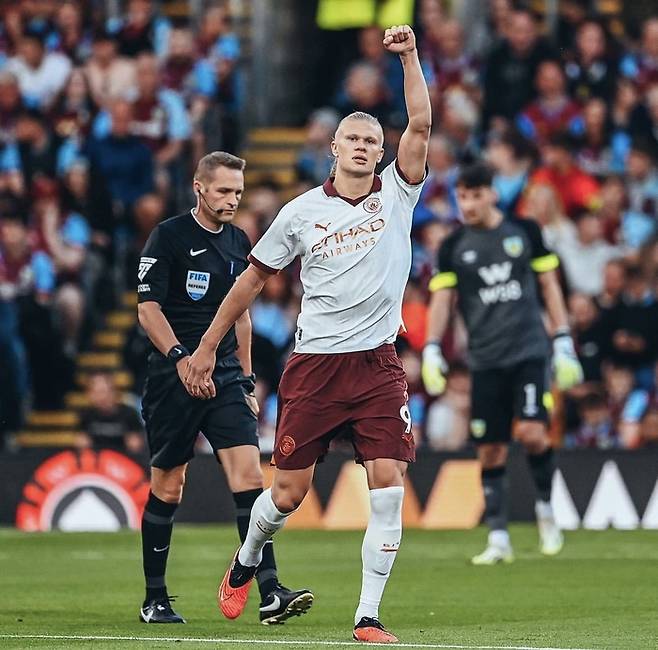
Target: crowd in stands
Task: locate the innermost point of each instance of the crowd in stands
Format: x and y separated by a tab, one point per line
101	122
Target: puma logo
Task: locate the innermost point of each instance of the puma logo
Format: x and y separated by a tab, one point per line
319	226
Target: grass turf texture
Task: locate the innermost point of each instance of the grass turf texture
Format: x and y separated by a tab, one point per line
599	593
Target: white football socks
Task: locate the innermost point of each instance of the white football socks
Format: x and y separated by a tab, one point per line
265	520
380	545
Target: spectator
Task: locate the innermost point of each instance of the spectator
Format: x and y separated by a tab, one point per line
215	32
585	256
65	238
642	67
107	423
642	180
447	63
588	335
39	147
371	51
542	204
591	72
314	160
121	162
71	38
626	403
594	155
365	90
511	68
511	156
577	190
630	327
571	16
437	199
643	126
28	277
614	281
193	79
73	111
553	112
108	74
141	30
448	419
13	370
40	75
596	427
159	120
459	118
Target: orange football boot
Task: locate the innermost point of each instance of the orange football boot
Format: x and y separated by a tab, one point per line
234	589
370	630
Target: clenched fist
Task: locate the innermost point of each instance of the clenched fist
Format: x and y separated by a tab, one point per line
399	39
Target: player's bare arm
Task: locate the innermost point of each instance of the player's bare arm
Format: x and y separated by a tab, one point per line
412	151
554	301
239	298
567	369
159	331
243	352
243	334
434	366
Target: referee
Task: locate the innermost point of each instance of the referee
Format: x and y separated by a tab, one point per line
187	267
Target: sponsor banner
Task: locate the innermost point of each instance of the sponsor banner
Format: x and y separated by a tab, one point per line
105	491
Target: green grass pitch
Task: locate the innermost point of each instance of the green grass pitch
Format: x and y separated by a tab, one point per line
601	592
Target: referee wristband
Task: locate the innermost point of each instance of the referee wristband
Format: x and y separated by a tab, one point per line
177	353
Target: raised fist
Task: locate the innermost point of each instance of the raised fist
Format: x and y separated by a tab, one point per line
399	39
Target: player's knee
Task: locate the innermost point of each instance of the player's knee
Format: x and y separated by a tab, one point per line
492	455
288	497
385	472
532	436
169	489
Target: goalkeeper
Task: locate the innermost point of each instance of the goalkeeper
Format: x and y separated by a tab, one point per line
496	267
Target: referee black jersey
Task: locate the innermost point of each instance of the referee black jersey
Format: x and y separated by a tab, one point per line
188	270
493	272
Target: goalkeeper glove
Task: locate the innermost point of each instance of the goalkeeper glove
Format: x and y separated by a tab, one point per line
566	367
434	369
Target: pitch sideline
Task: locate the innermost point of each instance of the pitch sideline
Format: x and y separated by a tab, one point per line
270	642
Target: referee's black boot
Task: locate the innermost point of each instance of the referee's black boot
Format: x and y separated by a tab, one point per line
159	610
282	603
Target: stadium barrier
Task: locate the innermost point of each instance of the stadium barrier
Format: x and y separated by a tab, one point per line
105	490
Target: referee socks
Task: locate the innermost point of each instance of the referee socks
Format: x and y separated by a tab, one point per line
266	575
157	524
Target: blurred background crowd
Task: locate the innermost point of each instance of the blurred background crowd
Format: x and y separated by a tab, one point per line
103	116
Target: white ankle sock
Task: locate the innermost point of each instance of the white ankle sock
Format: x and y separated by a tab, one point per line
543	510
499	538
380	545
265	520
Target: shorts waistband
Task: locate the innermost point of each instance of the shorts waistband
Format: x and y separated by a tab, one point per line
384	350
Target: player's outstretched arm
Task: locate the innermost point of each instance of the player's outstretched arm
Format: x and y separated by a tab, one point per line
201	364
412	151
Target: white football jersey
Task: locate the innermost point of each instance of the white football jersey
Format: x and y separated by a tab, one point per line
356	257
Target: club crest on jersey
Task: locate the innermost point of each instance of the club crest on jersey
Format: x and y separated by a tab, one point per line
478	428
372	205
197	284
513	246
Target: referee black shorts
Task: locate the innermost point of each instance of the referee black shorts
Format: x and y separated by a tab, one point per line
174	418
501	395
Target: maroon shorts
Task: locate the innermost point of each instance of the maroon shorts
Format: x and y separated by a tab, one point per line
361	393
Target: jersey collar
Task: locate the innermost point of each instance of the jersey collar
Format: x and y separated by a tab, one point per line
198	223
330	190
